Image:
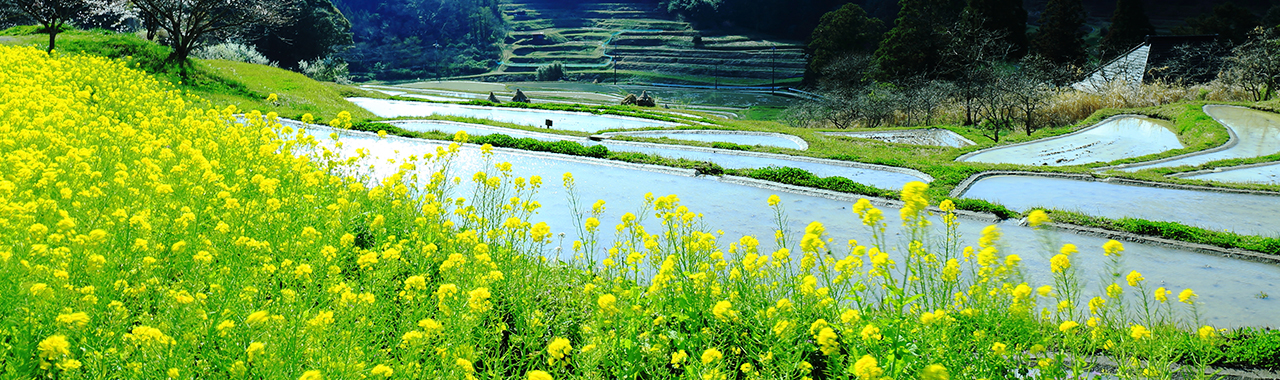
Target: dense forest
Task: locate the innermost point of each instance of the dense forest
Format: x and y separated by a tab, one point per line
403	39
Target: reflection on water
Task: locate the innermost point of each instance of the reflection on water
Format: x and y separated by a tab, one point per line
571	121
1257	134
1229	287
1112	140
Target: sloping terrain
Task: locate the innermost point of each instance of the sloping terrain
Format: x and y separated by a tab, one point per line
639	37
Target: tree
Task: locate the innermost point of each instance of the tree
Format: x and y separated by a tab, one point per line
1031	89
51	15
1228	20
1061	36
1255	65
840	32
910	48
315	30
190	22
1129	27
1272	18
1007	17
971	55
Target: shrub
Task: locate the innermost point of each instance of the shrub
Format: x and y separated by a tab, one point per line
551	72
330	68
233	51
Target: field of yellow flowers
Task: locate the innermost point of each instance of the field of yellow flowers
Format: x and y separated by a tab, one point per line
144	235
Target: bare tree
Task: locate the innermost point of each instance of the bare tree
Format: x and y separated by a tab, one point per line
51	15
971	54
189	23
1192	63
1001	108
1031	88
1255	65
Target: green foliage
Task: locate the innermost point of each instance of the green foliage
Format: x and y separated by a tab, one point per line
801	177
550	72
26	30
1129	26
399	39
1252	347
979	205
728	145
787	18
910	48
1172	230
561	147
1228	20
841	32
1060	39
598	110
768	113
317	30
1005	17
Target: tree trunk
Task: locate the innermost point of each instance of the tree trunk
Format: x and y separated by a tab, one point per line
53	27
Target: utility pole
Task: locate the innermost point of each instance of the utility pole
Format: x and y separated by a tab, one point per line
773	68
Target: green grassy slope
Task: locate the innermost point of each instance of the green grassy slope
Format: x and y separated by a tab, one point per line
222	83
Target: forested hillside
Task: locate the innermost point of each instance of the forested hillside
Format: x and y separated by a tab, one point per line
399	39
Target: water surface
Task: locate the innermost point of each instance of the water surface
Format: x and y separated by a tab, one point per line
572	121
1229	287
1114	139
1241	213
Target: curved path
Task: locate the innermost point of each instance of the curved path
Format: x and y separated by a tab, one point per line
1254	134
1240	211
885	177
1264	173
1115	138
1228	286
565	120
929	136
714	135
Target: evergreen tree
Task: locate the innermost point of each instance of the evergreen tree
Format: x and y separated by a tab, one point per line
1272	19
1129	27
840	32
1060	39
1007	17
318	29
1228	20
910	48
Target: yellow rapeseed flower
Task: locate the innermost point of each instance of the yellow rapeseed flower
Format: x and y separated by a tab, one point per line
1067	326
723	311
311	375
54	347
1207	332
711	355
255	349
1162	294
678	357
539	375
866	368
382	370
828	341
1112	247
870	333
1187	296
478	300
1139	332
934	372
558	349
1037	218
1134	278
1059	263
999	348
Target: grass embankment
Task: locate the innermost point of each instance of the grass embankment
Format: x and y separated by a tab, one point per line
150	238
222	83
1172	231
248	86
